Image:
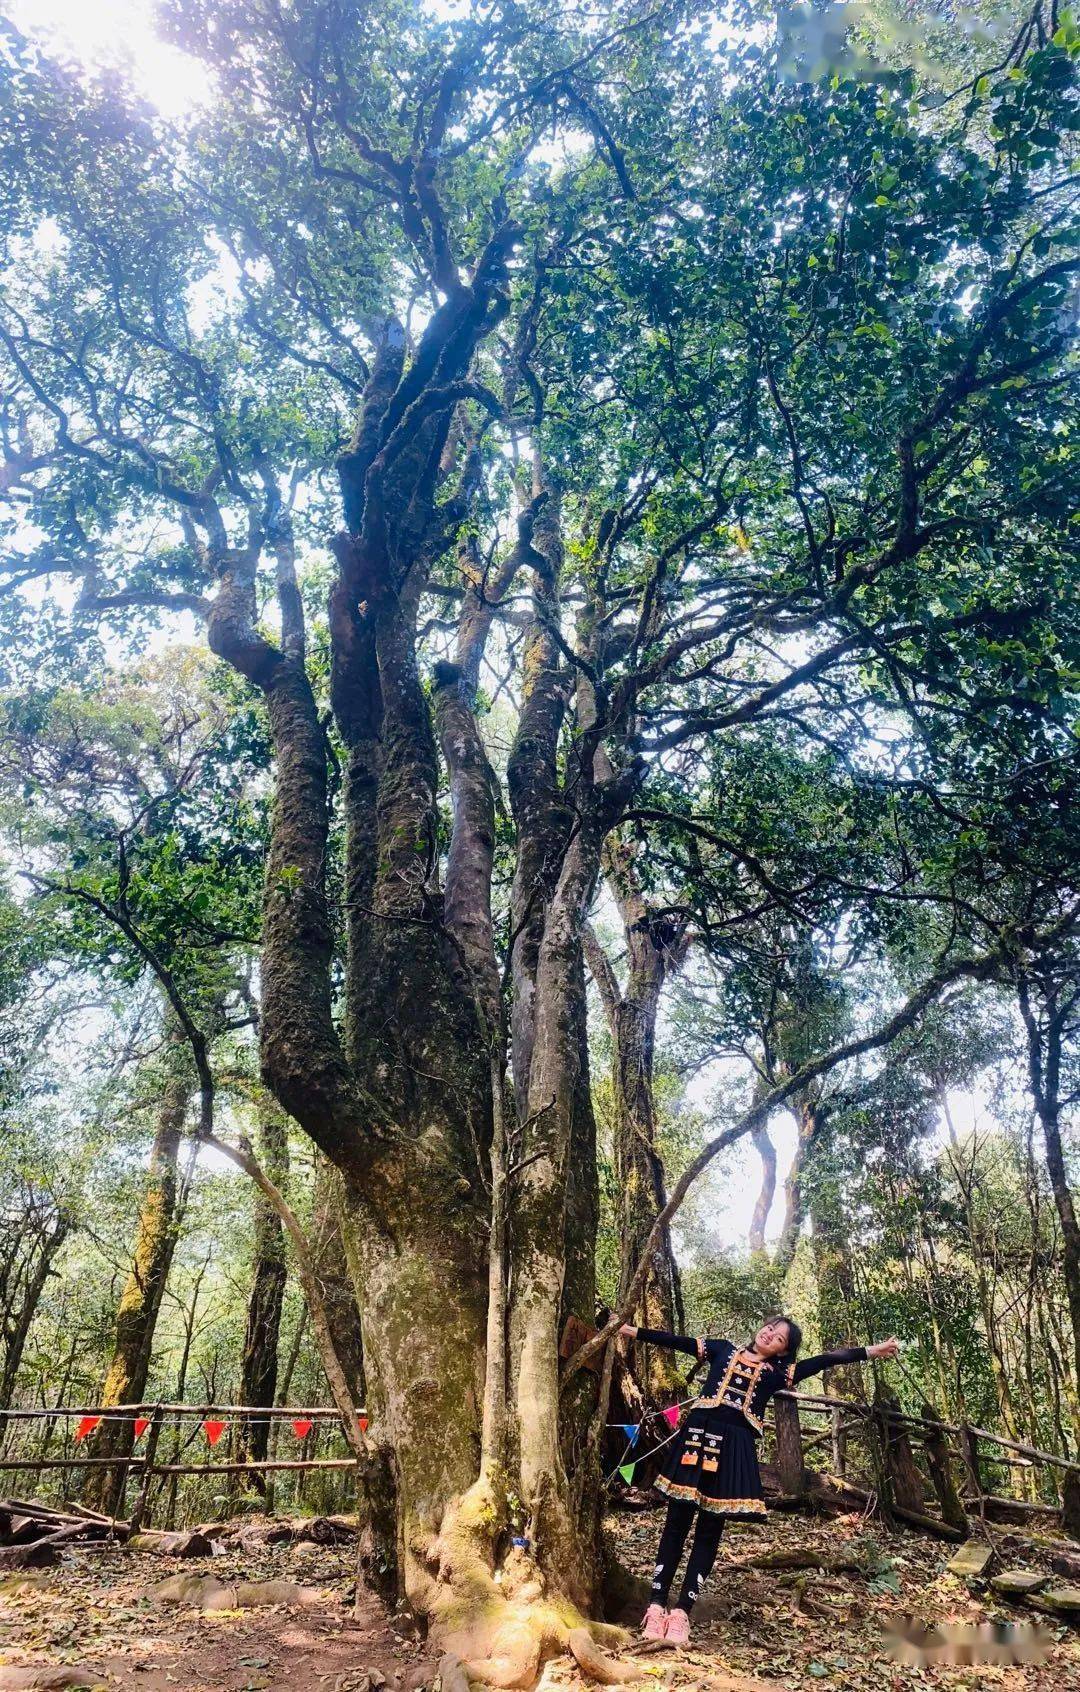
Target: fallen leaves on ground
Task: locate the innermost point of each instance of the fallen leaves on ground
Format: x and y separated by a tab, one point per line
796	1629
806	1629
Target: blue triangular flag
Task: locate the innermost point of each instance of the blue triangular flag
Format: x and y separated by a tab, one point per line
631	1430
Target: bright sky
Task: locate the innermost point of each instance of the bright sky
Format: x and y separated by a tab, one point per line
116	32
733	1185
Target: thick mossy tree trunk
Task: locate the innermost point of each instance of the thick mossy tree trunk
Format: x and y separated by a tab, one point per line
401	1102
140	1300
448	1198
259	1364
549	1058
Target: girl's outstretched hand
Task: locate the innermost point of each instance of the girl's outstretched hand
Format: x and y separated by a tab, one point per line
628	1331
886	1348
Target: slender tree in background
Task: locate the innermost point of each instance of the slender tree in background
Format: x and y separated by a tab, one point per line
335	1280
1048	995
259	1365
159	1218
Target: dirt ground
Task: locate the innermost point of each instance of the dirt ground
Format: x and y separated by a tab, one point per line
794	1630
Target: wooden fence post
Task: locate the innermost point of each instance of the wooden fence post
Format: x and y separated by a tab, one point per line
839	1442
138	1514
969	1451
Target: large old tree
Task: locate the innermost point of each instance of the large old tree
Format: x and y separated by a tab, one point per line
528	404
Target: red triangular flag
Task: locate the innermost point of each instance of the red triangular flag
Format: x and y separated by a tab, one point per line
141	1425
302	1426
87	1425
671	1415
214	1430
363	1424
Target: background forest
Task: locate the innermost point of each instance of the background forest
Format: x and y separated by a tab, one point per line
540	641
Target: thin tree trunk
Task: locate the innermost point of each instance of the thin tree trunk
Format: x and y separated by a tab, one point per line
809	1112
140	1301
1044	1037
655	948
17	1323
759	1216
259	1365
966	1181
336	1283
181	1388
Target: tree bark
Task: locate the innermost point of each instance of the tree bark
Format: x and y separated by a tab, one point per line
335	1279
789	1456
19	1312
1045	1042
655	948
767	1191
906	1482
259	1365
140	1301
808	1112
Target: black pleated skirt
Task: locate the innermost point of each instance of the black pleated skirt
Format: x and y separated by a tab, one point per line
713	1463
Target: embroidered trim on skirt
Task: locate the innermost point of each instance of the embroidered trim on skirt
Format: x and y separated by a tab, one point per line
714	1465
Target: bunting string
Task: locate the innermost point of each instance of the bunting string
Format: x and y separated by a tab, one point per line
211	1426
622	1466
680	1404
670	1414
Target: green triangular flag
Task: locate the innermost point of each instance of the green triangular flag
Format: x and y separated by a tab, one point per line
626	1470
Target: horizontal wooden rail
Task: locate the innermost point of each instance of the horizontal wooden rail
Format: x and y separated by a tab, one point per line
862	1410
140	1465
125	1412
244	1468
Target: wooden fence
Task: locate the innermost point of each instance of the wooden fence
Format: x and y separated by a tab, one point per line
916	1463
58	1441
919	1469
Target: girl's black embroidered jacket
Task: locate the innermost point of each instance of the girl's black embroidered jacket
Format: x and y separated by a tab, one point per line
738	1382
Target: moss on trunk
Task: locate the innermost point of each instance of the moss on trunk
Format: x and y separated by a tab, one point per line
140	1300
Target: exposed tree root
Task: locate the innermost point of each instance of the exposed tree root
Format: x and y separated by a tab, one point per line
452	1677
596	1663
498	1627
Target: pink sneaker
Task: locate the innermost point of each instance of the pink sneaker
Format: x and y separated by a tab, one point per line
678	1627
654	1622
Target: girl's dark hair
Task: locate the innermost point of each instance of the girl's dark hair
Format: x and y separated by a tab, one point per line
794	1334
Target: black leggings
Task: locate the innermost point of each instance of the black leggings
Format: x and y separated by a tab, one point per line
680	1519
